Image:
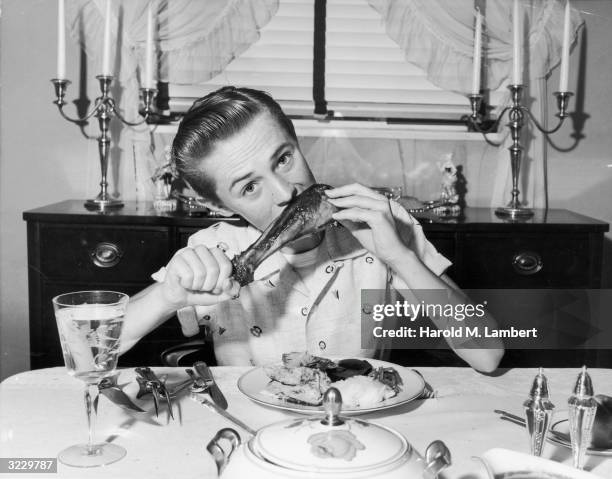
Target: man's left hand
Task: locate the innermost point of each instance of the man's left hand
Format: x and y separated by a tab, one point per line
369	217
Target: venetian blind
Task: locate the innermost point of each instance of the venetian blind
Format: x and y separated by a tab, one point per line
280	62
366	74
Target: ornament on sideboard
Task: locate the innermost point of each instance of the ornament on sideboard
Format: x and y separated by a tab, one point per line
449	197
519	116
105	107
163	179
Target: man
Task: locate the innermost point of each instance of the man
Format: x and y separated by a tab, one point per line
239	151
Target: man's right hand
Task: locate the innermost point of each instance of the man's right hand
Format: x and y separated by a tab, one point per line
199	276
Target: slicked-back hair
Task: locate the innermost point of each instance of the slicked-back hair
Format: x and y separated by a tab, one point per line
213	118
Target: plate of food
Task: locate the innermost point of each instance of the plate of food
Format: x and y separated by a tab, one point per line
298	383
559	434
601	439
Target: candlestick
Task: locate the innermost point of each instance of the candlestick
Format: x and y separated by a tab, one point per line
564	70
477	53
104	109
106	46
517	31
514	210
148	79
61	40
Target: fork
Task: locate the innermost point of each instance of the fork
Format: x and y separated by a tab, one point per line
148	382
428	392
504	415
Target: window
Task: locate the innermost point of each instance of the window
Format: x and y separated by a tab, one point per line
366	77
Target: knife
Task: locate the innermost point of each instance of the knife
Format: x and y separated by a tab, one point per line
109	388
215	393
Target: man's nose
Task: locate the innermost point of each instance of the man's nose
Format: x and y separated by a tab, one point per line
283	192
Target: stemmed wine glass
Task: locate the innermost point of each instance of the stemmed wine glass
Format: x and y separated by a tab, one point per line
89	325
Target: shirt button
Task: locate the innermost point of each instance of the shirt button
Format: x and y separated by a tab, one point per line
369	259
367	308
322	345
256	331
206	317
329	269
304	311
222	246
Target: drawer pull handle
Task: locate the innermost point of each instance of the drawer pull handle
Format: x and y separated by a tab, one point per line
106	255
527	263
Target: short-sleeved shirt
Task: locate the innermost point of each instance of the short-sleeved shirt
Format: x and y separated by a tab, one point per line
278	313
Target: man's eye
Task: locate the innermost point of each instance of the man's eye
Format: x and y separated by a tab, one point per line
248	189
284	160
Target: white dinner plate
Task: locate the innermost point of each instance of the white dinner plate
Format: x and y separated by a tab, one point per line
253	382
507	464
562	427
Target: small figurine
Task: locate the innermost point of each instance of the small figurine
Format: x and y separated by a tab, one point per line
449	189
163	177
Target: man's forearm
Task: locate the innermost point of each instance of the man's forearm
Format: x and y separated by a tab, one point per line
146	310
482	353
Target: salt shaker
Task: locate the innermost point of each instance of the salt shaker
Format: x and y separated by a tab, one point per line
582	409
538	412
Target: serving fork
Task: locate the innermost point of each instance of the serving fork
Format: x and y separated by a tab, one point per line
148	382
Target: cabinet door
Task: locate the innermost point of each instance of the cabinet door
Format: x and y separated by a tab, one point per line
102	253
525	261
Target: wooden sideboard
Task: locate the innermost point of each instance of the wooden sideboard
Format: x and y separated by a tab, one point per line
71	248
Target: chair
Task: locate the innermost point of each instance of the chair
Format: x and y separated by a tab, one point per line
185	354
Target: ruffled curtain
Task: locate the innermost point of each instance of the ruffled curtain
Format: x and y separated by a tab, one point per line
438	36
195	41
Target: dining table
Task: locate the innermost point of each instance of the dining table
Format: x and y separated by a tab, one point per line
41	413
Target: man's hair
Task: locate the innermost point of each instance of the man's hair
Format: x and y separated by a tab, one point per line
213	118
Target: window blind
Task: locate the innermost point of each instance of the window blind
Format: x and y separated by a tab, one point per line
280	62
366	74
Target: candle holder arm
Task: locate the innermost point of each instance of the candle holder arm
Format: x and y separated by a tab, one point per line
539	126
122	118
475	125
78	120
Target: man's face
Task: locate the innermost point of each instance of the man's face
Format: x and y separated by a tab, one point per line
258	171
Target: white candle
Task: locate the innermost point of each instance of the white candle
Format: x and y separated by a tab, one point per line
565	50
61	41
149	50
477	54
517	31
106	46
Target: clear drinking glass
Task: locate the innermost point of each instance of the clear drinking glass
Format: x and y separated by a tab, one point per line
89	325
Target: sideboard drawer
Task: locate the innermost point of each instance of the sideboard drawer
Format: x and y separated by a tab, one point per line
100	253
526	261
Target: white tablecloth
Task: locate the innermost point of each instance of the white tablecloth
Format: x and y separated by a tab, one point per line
42	412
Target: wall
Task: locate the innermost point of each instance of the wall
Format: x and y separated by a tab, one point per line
44	159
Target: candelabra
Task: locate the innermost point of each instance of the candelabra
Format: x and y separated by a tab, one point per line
104	108
516	116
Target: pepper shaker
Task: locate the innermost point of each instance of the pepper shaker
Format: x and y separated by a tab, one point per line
538	412
582	409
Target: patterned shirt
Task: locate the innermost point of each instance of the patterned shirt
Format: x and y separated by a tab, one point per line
278	313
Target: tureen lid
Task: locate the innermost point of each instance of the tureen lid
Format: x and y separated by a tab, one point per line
330	444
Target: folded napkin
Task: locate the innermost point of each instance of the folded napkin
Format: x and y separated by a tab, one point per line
507	464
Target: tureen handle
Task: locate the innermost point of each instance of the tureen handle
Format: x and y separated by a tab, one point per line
437	458
332	404
221	459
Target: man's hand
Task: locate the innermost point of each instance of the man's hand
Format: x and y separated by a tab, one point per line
199	276
369	217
